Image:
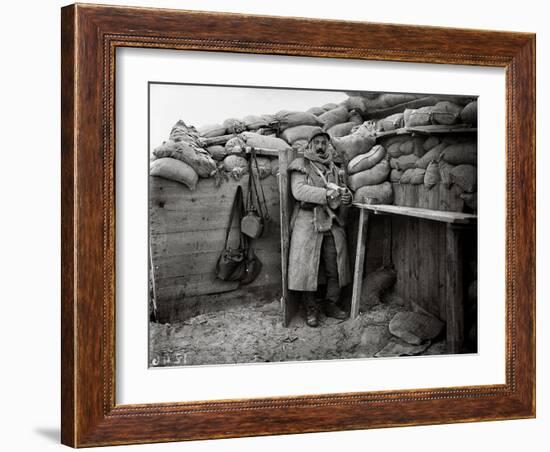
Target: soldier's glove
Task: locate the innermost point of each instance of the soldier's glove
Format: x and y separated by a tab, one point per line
346	198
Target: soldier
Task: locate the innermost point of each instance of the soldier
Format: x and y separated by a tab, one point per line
318	240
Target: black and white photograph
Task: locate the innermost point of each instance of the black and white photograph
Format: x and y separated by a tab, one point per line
295	225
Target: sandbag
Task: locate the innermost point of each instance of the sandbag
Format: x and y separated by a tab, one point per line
445	173
365	161
446	113
288	119
212	130
395	175
468	115
234	125
372	176
366	129
317	111
353	145
388	100
235	145
431	142
465	176
341	130
392	122
217	152
298	133
432	177
236	165
396	139
269	119
461	154
175	170
335	116
356	117
456	138
470	199
376	284
254	122
197	158
420	117
404	162
417	176
182	132
432	154
264	142
376	194
355	103
406	177
329	106
299	145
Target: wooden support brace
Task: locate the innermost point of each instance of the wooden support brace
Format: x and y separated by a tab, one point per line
454	291
359	262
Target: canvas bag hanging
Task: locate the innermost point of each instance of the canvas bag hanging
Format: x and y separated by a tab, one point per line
253	223
231	263
241	263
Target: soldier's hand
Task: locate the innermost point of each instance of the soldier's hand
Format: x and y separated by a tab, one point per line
346	198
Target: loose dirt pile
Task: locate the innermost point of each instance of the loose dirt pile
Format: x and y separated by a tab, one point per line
249	334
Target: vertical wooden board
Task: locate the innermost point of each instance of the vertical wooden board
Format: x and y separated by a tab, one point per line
423	196
428	280
387	241
397	194
444	198
454	291
359	262
433	197
413	258
398	253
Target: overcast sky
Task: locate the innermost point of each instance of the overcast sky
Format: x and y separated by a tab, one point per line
199	105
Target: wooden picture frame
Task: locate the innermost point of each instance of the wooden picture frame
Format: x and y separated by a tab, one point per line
90	36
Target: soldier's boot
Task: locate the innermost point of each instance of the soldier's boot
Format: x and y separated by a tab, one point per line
312	311
332	309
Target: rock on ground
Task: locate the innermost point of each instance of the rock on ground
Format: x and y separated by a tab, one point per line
414	327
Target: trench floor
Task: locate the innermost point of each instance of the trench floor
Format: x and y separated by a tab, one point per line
255	334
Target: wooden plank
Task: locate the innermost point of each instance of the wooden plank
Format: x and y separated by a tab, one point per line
359	263
399	249
434	215
454	300
398	193
289	302
433	197
423	197
186	242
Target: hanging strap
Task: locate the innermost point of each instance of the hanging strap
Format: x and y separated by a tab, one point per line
236	207
262	209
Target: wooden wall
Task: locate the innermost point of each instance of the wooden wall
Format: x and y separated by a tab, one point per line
187	231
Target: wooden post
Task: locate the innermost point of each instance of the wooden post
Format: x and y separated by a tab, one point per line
454	291
359	262
289	303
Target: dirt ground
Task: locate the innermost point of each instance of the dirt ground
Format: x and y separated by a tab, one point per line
254	333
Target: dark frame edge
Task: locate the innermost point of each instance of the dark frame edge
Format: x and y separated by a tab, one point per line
68	217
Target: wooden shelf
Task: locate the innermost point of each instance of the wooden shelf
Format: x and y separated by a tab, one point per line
417	212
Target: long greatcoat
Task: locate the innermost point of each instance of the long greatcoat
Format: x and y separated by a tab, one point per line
305	243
